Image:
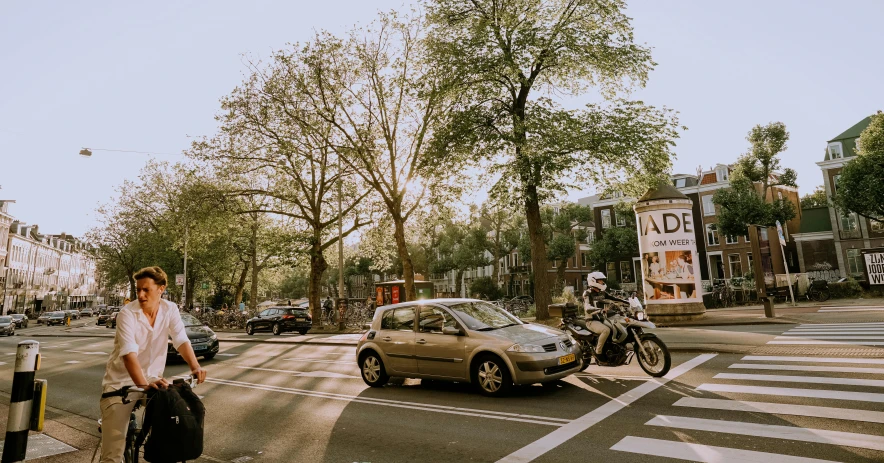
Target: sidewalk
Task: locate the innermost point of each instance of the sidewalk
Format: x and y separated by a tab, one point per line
802	312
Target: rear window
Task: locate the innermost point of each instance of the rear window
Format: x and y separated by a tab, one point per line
295	312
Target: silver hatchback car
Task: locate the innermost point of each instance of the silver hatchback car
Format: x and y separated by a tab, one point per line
464	340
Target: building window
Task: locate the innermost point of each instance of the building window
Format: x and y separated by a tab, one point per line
858	148
780	195
583	258
722	174
626	271
848	221
835	151
617	194
611	270
835	180
621	221
708	205
589	237
606	218
679	183
712	234
763	233
730	239
876	226
735	265
853	263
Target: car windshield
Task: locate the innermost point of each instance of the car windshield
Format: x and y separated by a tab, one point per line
18	316
190	320
5	319
478	315
56	314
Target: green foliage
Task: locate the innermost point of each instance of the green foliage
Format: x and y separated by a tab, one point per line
615	244
762	160
485	288
860	188
816	199
849	289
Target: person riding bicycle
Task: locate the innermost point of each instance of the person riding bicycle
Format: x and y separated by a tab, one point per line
327	308
139	356
595	299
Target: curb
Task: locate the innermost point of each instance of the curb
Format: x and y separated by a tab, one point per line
256	341
731	323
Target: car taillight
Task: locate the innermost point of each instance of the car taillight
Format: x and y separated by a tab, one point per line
287	317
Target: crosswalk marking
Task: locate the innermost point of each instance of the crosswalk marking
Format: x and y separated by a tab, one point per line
822	436
816	332
794	392
781	358
766	366
868	309
783	409
859	336
846	324
780	340
703	453
802	379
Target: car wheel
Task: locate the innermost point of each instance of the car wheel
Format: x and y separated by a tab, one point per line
276	329
209	356
491	376
250	330
303	332
373	372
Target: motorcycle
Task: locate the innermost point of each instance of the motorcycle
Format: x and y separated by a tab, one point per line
626	339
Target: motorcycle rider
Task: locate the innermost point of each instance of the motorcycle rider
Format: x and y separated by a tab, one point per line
595	298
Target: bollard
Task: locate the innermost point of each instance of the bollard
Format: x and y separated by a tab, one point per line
27	359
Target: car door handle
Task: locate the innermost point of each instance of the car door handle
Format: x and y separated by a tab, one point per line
421	341
386	338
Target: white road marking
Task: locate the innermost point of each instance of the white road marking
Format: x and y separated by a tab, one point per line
86	353
703	453
855	336
847	306
838	331
802	379
305	374
780	358
844	324
227	355
820	343
399	404
765	366
73	361
794	392
3	363
867	309
568	431
318	361
822	436
783	409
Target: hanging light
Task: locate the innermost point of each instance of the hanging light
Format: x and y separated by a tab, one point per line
85	152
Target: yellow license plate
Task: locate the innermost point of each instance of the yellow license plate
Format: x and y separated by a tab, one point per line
566	359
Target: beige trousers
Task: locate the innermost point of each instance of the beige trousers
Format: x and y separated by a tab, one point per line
602	330
114	425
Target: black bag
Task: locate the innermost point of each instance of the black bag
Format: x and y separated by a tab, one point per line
173	425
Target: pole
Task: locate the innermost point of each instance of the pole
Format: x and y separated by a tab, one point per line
19	421
340	249
759	273
788	278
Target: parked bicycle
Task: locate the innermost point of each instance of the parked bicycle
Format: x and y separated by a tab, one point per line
818	290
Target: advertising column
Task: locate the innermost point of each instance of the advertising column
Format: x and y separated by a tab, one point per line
670	265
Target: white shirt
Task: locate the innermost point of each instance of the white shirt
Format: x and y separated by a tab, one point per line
150	343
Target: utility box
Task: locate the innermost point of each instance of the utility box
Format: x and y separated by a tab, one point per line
393	292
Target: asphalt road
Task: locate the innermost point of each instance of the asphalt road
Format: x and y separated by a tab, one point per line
290	403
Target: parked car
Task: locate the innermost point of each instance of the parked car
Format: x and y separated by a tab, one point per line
21	321
105	314
464	340
203	340
86	313
73	313
51	318
7	326
111	321
278	320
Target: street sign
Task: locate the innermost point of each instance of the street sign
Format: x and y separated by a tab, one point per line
780	234
395	292
179	279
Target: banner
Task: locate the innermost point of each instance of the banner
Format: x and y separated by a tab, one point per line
874	266
669	260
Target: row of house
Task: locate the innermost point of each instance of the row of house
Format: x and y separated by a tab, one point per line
40	271
822	241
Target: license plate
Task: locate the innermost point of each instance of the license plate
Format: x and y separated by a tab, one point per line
566	359
203	347
300	319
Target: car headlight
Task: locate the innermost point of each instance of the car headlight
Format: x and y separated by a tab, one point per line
639	316
213	337
524	348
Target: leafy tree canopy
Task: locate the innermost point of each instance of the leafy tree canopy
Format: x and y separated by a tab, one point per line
860	188
816	199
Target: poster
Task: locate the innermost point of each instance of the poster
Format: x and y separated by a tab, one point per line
874	267
669	260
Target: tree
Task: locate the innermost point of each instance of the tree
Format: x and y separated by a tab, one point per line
747	202
508	53
565	230
860	188
497	217
816	199
616	243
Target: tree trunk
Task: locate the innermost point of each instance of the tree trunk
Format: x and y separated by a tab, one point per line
314	284
241	285
542	297
405	257
458	284
560	276
131	274
253	291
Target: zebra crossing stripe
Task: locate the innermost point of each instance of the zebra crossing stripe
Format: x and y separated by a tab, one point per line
794	392
844	324
803	379
822	436
848	414
703	453
851	331
869	309
781	358
852	336
796	342
765	366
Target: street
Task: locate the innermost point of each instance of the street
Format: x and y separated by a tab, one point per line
794	394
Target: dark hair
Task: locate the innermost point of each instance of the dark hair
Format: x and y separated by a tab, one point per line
154	273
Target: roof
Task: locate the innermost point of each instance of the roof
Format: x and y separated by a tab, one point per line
815	219
663	191
854	131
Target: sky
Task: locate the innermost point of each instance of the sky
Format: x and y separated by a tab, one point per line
148	76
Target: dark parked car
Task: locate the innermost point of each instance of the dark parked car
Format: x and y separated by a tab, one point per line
21	321
52	318
74	314
203	340
111	321
86	313
7	326
281	319
105	314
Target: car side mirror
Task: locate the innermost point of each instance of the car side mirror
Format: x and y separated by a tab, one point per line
452	331
366	326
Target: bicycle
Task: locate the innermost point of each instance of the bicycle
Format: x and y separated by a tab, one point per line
130	452
818	290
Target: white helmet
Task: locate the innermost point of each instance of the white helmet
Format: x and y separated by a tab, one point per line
597	280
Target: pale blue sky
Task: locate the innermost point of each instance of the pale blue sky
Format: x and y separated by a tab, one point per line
143	77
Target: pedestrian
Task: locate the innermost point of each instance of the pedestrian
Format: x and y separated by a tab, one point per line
139	356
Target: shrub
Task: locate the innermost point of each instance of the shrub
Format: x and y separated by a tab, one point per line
849	289
485	288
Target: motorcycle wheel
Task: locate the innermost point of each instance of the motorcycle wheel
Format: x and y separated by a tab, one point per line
659	361
586	362
822	295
